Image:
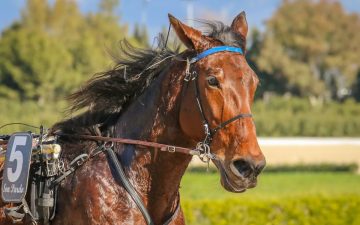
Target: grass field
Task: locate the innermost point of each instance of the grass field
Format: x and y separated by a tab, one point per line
272	185
280	198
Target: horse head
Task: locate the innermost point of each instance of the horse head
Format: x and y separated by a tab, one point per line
216	108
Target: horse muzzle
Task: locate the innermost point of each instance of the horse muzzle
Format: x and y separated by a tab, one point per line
239	174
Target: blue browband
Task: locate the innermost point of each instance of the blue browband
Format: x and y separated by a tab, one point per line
215	50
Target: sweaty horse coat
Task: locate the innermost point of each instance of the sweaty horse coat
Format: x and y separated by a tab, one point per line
144	97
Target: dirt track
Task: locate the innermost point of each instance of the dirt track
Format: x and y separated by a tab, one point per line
311	154
309	150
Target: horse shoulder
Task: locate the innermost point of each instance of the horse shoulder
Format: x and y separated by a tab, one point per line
92	196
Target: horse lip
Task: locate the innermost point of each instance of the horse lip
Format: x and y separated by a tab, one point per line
227	183
252	184
252	181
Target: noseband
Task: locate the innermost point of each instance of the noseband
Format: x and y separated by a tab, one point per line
193	76
202	149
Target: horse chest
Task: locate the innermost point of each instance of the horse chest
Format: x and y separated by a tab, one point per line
92	196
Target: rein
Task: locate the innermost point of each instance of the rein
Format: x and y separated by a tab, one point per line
162	147
202	149
107	147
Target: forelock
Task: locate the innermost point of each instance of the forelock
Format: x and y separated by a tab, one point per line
223	33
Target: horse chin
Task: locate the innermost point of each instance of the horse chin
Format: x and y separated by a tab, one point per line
227	185
237	185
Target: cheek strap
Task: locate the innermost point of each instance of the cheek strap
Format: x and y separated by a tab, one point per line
206	155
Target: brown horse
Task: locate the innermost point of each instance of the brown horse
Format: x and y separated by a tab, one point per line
145	97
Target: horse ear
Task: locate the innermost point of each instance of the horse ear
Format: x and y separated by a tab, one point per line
239	24
191	37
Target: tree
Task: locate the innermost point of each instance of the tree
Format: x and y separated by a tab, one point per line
54	48
33	66
313	45
356	87
108	7
268	82
36	13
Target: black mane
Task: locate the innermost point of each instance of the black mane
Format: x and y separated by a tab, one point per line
134	70
107	94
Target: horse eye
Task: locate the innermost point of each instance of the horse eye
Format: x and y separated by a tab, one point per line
213	81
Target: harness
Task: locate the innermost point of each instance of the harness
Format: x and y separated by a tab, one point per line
44	185
45	167
202	149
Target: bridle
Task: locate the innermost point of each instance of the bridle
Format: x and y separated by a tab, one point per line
202	149
204	146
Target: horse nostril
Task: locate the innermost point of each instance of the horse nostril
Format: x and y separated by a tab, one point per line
243	167
260	167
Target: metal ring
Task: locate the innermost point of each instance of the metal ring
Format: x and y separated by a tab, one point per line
108	144
204	150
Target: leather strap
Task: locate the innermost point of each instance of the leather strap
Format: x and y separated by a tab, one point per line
222	125
174	215
162	147
209	133
128	186
216	50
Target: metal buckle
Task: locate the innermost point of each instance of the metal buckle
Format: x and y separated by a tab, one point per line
171	149
187	77
207	130
79	160
187	71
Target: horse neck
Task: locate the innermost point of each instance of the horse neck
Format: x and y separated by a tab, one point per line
154	117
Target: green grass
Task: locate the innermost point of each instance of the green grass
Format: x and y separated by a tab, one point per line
196	186
280	199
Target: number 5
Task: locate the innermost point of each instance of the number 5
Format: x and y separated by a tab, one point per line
18	156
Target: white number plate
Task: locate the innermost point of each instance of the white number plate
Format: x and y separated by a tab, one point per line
16	168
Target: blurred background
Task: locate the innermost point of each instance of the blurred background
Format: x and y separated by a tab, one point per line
305	52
